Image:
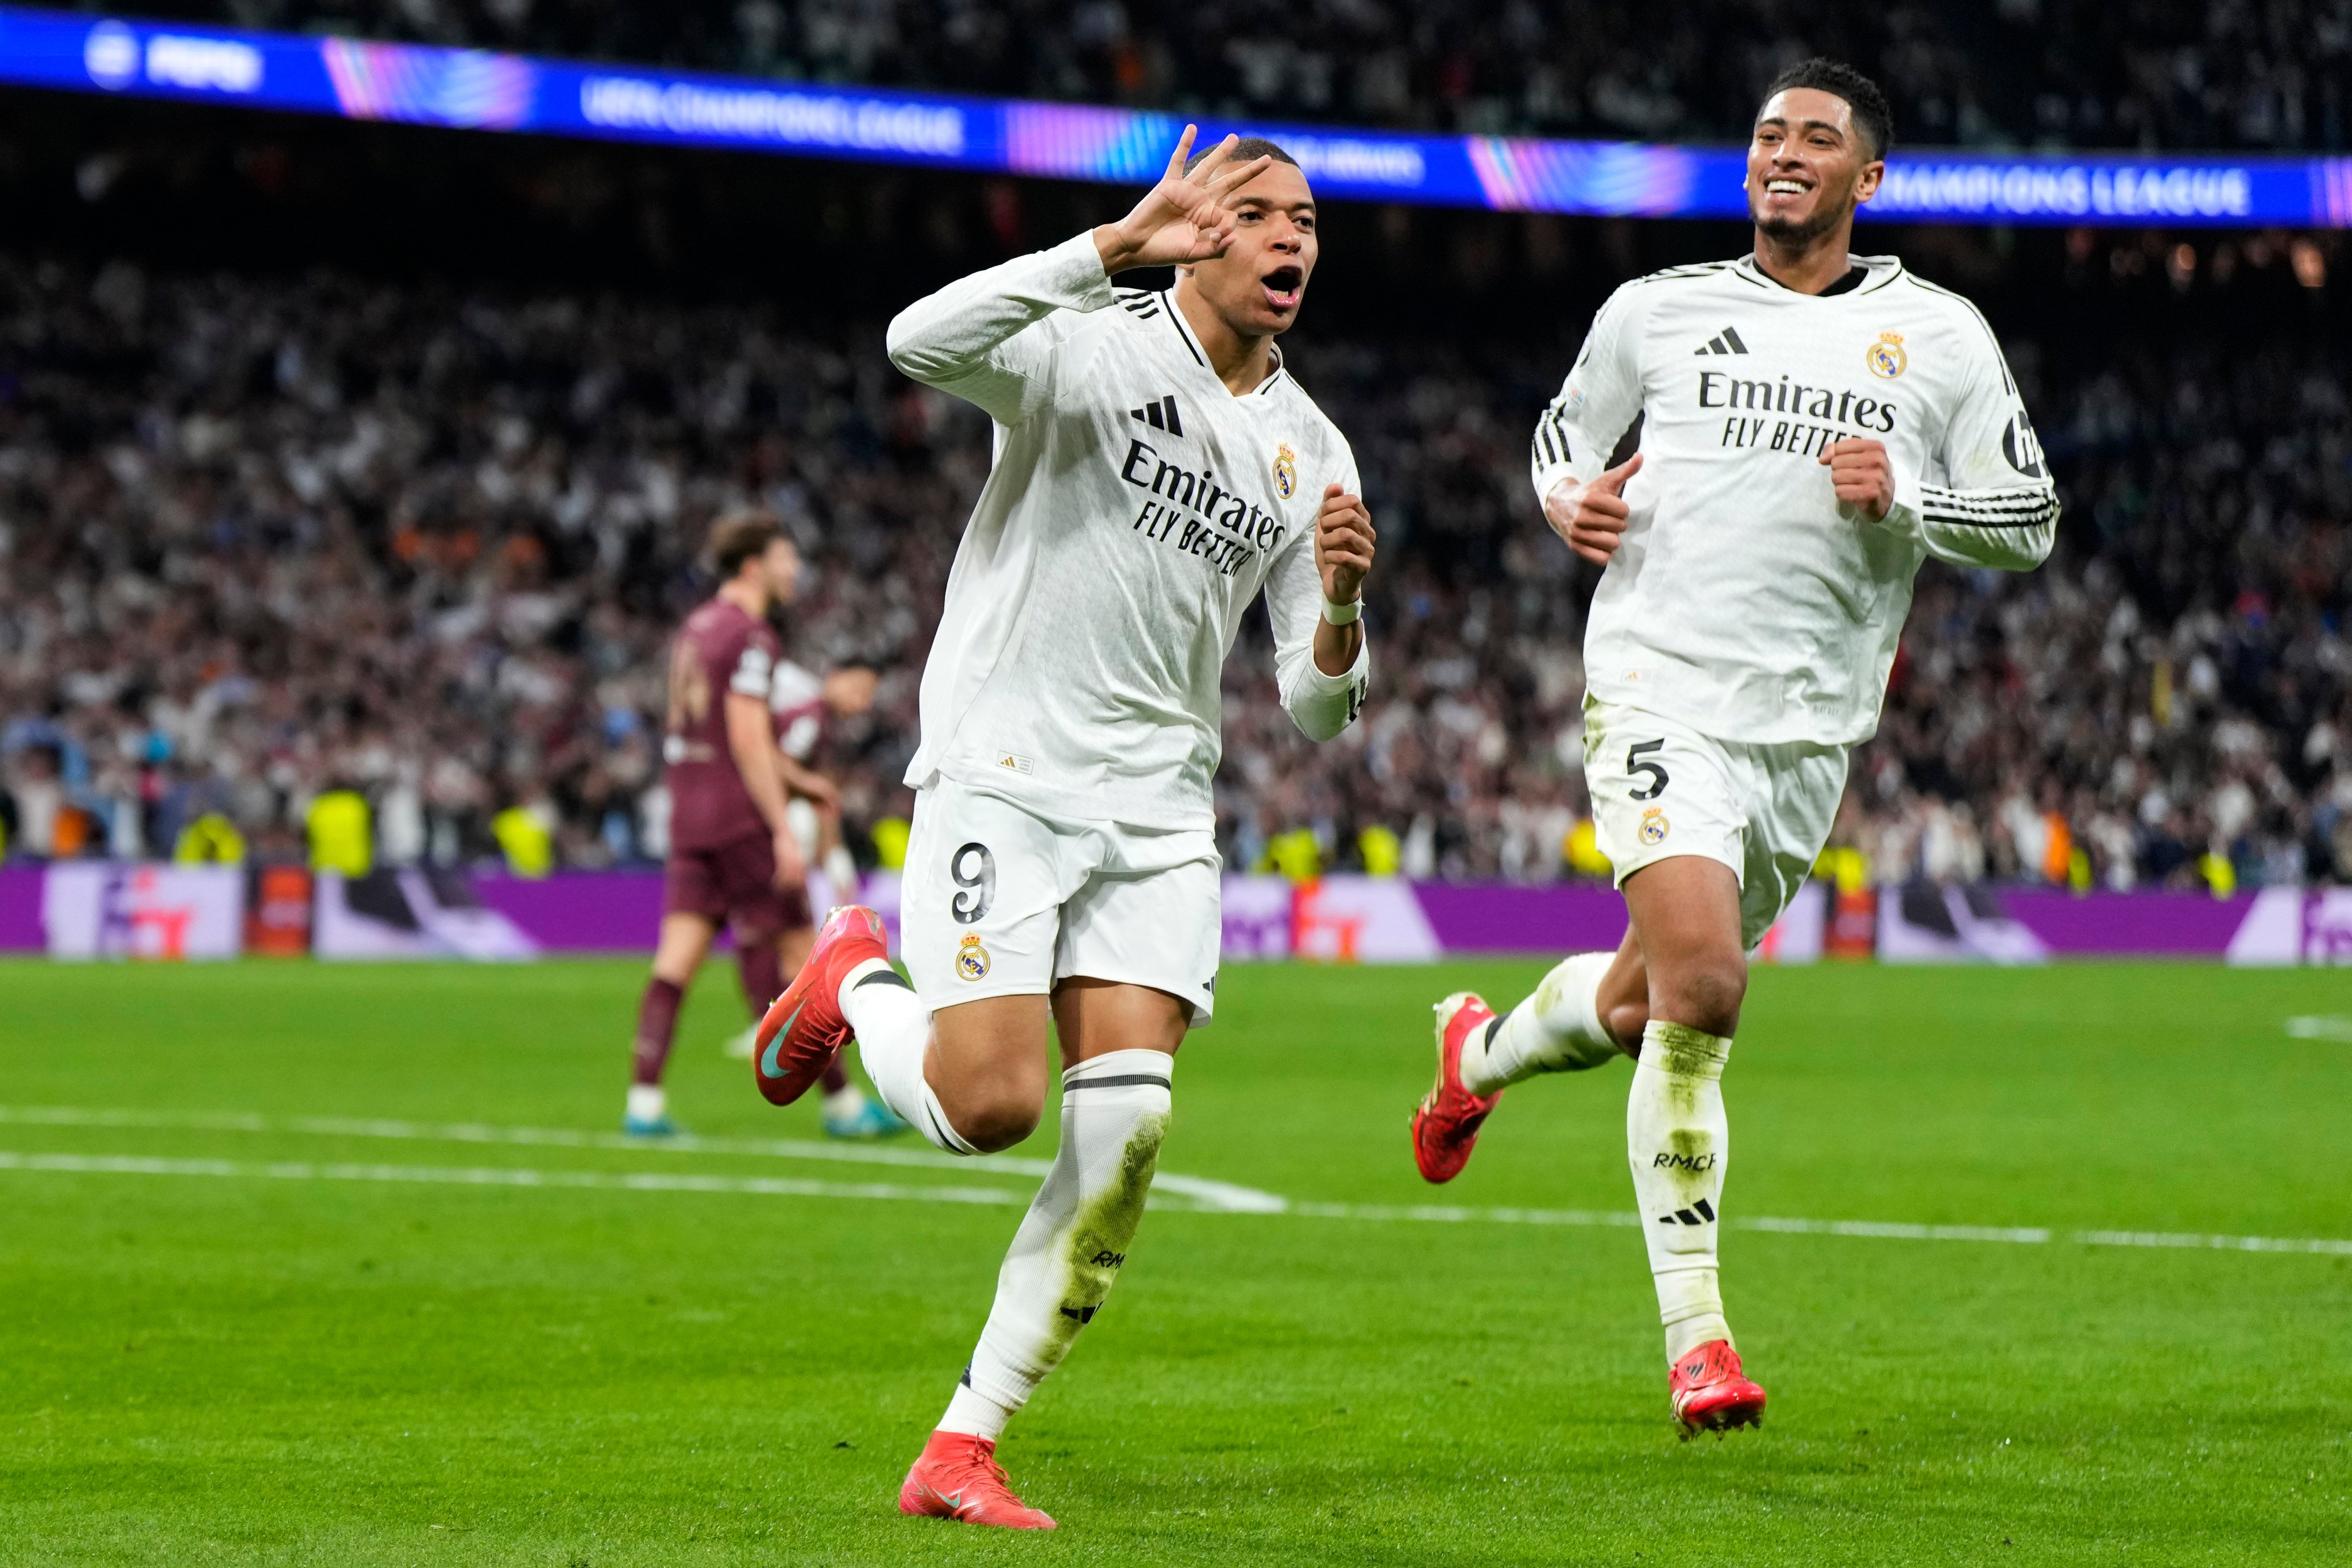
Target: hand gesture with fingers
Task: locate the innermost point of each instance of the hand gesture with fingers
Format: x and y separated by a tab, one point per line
1343	544
1593	517
1183	218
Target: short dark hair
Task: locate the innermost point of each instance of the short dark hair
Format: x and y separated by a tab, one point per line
1871	115
1248	147
741	536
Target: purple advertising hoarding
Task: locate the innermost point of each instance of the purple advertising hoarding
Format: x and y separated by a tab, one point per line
1369	918
20	909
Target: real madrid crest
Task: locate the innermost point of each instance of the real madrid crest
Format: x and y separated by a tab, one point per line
1654	827
1885	357
1285	471
971	959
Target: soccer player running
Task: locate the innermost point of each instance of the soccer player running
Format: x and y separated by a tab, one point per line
1156	468
1811	426
733	858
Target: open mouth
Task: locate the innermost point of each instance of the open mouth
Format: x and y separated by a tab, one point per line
1282	286
1785	187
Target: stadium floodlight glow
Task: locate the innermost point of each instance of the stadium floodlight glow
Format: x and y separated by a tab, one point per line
477	89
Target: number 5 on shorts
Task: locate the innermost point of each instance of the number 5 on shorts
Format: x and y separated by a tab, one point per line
975	870
1634	764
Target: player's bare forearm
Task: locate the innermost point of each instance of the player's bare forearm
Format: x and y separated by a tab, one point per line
1336	647
752	743
1344	541
806	781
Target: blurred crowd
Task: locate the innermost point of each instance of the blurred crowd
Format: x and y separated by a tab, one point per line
269	541
2061	73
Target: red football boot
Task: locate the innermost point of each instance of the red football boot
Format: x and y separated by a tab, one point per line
958	1477
1445	1127
1711	1393
805	1031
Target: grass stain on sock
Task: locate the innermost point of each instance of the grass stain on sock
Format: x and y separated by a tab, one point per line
1104	1229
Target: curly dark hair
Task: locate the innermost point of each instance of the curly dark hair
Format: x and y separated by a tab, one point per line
1871	114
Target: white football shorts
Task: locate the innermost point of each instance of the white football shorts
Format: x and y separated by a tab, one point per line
998	901
1662	789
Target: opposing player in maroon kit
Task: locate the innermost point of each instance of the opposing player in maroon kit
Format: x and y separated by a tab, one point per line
733	858
803	705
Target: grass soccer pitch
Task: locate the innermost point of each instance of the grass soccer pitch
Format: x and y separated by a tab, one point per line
304	1264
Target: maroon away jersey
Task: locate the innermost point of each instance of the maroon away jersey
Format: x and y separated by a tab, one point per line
719	649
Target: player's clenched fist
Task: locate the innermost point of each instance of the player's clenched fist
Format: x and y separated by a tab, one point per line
1861	474
1593	517
1343	544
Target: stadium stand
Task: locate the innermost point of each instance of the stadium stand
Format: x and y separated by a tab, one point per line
2073	73
264	540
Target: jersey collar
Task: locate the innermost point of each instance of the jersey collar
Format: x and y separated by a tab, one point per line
1881	270
1200	355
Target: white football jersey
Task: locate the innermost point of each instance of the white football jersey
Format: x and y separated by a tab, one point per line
1746	600
1134	510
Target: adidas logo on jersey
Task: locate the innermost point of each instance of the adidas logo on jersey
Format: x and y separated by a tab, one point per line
1159	414
1726	342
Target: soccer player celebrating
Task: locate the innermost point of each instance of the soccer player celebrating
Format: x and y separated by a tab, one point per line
1812	425
1156	468
733	858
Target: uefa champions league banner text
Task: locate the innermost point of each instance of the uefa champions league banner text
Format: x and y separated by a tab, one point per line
483	90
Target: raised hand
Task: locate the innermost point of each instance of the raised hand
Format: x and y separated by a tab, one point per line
1861	475
1593	517
1343	544
1183	218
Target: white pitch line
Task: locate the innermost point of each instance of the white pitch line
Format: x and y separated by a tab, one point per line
2024	1235
502	1176
1204	1191
774	1186
1876	1230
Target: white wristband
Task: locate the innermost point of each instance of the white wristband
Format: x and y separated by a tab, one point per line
1343	614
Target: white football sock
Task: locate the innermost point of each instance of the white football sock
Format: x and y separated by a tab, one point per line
893	1032
1677	1141
647	1102
844	1102
974	1414
1557	1029
1115	1110
842	872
